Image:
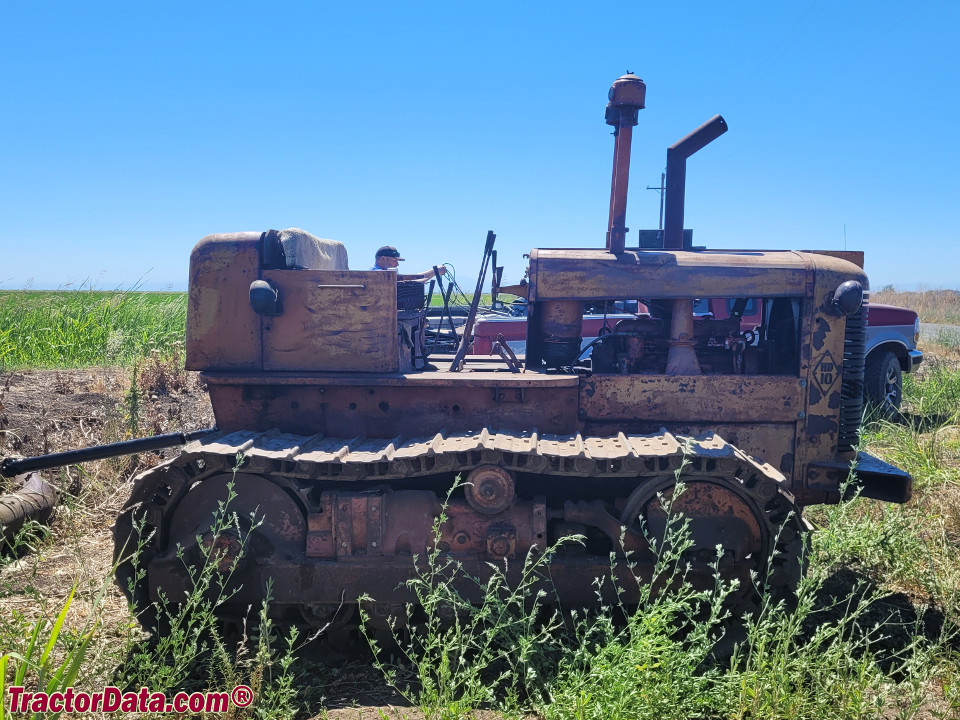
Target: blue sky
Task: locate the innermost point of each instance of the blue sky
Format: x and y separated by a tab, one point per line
131	130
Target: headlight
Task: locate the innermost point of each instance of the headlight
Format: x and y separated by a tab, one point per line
848	298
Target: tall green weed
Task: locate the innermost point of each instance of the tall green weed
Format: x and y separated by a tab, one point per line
81	328
39	664
189	650
456	656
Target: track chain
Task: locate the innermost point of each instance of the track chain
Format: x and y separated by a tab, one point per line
302	460
353	459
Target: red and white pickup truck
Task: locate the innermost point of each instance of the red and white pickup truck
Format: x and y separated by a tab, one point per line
892	335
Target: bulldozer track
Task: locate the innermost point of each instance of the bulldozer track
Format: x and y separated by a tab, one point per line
320	457
298	463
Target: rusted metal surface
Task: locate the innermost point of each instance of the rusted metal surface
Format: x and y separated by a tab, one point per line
490	489
427	402
342	321
627	95
584	274
851	256
681	358
222	331
560	326
723	398
33	500
724	516
257	501
363	458
821	358
506	353
456	365
348	453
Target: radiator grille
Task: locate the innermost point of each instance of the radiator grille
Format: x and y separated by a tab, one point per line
851	389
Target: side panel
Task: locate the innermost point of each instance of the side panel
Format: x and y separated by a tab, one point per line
724	398
583	274
379	410
223	332
333	321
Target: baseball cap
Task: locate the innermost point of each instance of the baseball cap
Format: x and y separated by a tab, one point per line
389	251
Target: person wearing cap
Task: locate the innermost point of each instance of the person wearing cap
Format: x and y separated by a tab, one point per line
388	258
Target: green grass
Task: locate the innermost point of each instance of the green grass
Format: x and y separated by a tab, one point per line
63	329
848	646
874	631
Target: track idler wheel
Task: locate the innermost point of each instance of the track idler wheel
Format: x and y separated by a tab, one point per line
180	526
756	523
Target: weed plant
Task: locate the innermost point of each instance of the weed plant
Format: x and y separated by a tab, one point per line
658	661
25	540
185	628
38	663
190	651
933	395
837	650
456	656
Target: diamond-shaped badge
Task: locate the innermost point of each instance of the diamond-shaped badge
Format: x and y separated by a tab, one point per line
825	373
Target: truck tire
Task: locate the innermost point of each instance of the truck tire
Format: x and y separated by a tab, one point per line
883	384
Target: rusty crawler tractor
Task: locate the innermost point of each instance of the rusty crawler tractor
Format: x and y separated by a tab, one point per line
348	454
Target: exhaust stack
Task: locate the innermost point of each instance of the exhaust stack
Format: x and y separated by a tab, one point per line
626	99
677	155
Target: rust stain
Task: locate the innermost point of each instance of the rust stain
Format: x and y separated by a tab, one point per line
821	424
820	333
786	464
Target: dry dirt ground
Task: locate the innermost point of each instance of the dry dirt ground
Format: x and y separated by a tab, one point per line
45	411
55	410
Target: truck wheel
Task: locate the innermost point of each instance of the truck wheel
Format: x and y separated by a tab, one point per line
883	384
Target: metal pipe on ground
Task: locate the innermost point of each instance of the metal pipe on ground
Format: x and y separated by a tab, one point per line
34	500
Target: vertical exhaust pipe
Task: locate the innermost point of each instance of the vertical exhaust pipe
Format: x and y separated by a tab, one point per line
626	96
677	155
681	356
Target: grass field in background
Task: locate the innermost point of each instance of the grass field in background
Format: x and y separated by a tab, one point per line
80	328
64	329
933	306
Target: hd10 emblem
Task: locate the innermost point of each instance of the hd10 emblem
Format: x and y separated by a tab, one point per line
825	373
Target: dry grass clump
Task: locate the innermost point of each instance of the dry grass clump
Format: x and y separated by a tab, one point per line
161	373
933	306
